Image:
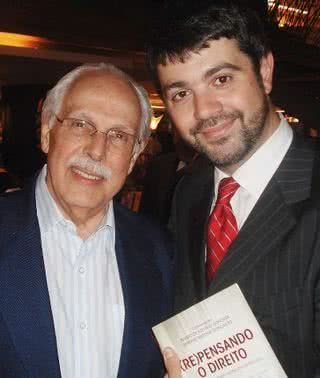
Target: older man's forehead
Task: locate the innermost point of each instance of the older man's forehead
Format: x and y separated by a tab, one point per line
109	95
105	84
102	79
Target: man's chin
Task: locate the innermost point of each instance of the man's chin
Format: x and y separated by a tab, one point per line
214	151
83	198
221	156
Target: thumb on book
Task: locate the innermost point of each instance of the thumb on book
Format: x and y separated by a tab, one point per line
172	363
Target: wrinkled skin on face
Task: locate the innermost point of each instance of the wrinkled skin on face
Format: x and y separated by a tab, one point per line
83	191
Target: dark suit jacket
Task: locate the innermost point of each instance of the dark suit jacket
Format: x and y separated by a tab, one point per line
158	187
27	337
275	258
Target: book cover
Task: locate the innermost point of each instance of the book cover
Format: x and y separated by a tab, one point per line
220	337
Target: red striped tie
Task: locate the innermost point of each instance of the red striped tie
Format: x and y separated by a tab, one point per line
222	226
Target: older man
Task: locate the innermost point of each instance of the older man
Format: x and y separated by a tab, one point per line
82	280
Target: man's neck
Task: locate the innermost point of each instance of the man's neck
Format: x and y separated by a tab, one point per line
86	224
86	220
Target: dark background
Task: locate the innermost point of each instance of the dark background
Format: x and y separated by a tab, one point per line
78	31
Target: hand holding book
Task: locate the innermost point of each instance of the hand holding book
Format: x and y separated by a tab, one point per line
172	363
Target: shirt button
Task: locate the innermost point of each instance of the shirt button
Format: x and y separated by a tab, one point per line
83	325
81	270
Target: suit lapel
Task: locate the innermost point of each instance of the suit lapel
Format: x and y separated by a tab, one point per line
25	306
272	218
128	332
267	224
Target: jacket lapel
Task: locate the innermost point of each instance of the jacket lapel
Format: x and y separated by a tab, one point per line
25	306
272	218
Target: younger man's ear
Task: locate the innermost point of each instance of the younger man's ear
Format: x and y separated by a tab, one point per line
266	71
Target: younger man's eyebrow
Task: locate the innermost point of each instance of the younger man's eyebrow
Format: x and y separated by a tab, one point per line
216	69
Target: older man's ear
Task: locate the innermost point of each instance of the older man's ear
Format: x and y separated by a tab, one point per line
136	152
45	137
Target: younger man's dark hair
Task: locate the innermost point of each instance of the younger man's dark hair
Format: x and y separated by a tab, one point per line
184	30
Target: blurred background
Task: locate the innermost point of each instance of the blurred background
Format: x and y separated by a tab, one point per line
40	41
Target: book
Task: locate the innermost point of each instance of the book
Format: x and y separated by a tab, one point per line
220	337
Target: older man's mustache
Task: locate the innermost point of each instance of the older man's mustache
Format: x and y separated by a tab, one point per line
90	166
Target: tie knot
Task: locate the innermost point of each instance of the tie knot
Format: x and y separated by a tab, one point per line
227	187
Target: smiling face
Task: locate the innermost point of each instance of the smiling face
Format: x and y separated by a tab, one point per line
219	103
78	168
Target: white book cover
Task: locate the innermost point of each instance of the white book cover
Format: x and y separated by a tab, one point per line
220	337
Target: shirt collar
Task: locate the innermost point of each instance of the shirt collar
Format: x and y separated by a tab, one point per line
249	175
49	214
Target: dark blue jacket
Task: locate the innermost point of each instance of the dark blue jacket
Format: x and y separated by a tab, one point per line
27	336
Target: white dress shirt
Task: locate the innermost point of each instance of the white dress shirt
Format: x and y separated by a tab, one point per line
254	175
84	289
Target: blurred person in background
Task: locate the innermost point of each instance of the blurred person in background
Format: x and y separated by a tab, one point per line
162	175
8	182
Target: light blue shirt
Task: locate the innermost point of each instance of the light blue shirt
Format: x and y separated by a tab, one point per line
84	289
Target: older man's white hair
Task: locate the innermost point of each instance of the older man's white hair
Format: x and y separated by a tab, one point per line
55	97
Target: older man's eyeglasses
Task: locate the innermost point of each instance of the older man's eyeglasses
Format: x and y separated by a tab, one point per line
116	138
